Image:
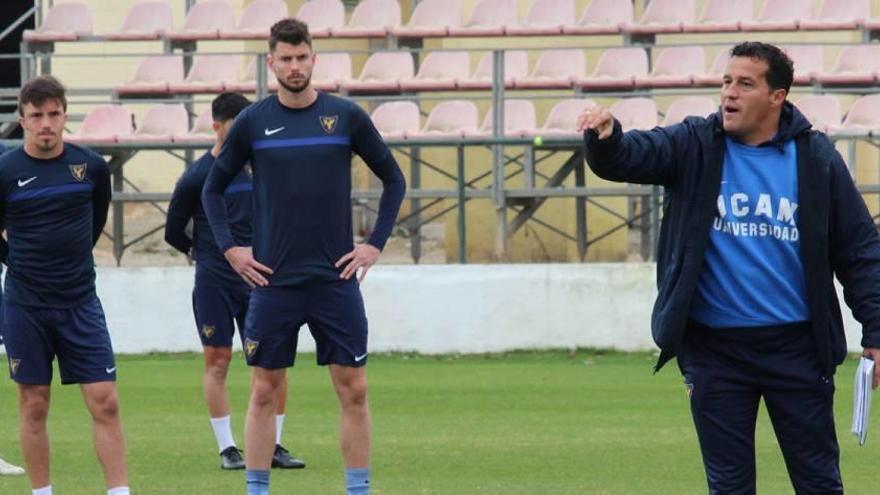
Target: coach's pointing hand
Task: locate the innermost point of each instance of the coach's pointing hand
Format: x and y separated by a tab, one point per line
242	261
363	256
597	119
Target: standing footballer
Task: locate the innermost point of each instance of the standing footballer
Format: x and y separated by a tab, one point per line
303	263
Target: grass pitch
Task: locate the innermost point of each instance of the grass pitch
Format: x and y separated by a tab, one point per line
521	423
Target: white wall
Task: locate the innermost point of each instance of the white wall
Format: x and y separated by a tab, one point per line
429	309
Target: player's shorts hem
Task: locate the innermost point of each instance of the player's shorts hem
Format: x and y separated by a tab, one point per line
31	382
87	381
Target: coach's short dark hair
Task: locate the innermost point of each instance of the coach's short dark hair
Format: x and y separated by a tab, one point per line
780	71
227	106
40	90
291	31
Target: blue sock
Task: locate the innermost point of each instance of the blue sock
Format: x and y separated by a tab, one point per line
357	481
257	482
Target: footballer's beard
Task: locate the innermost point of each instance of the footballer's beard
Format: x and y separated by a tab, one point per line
299	88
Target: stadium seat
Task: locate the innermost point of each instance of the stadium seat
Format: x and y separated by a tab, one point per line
204	21
555	69
248	82
382	73
257	19
721	16
202	130
779	15
823	111
439	71
153	76
698	106
635	113
516	66
145	21
838	15
809	60
562	119
322	16
716	73
863	117
544	18
104	124
664	16
617	68
396	119
63	22
209	74
160	124
519	120
855	65
431	19
370	19
449	120
602	17
675	67
331	69
489	18
872	24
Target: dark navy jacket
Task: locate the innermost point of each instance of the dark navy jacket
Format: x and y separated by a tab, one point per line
838	236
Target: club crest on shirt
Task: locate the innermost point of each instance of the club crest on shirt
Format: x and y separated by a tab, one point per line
13	366
328	122
78	171
250	347
208	331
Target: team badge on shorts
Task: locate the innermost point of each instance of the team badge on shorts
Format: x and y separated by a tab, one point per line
13	366
78	171
208	331
328	122
250	347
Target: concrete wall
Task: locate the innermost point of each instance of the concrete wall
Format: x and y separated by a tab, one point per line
429	309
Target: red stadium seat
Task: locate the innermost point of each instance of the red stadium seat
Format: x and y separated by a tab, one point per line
544	18
63	22
489	18
382	73
635	113
664	16
555	69
154	75
562	119
823	111
431	18
617	68
248	82
449	120
721	16
602	17
256	20
201	132
440	71
779	15
516	66
855	65
809	61
331	70
145	21
160	124
689	106
519	120
204	21
104	124
371	19
209	74
396	119
675	67
863	117
322	16
838	14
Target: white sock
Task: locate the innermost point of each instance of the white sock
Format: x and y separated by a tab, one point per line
279	425
119	490
223	432
46	490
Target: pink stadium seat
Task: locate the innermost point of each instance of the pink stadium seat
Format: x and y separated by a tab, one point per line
617	68
104	124
519	120
809	60
664	16
489	18
716	73
382	73
602	17
322	16
855	65
248	82
257	19
201	132
872	24
331	70
635	113
431	18
721	16
863	117
675	67
154	75
823	111
148	20
544	18
371	19
204	21
697	106
555	69
838	14
562	119
396	119
209	74
160	124
63	22
440	71
449	120
516	66
779	15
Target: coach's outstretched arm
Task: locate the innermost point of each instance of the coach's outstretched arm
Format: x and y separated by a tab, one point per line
643	157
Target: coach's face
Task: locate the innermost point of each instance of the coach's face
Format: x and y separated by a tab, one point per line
43	125
749	107
292	65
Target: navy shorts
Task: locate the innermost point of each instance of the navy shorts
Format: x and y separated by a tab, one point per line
334	312
78	336
217	311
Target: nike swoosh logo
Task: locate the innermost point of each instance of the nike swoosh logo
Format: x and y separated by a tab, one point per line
22	183
360	358
110	370
273	131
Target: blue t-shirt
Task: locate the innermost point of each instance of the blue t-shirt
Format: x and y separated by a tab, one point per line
752	273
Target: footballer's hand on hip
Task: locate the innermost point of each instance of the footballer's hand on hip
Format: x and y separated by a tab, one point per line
598	120
362	257
241	259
